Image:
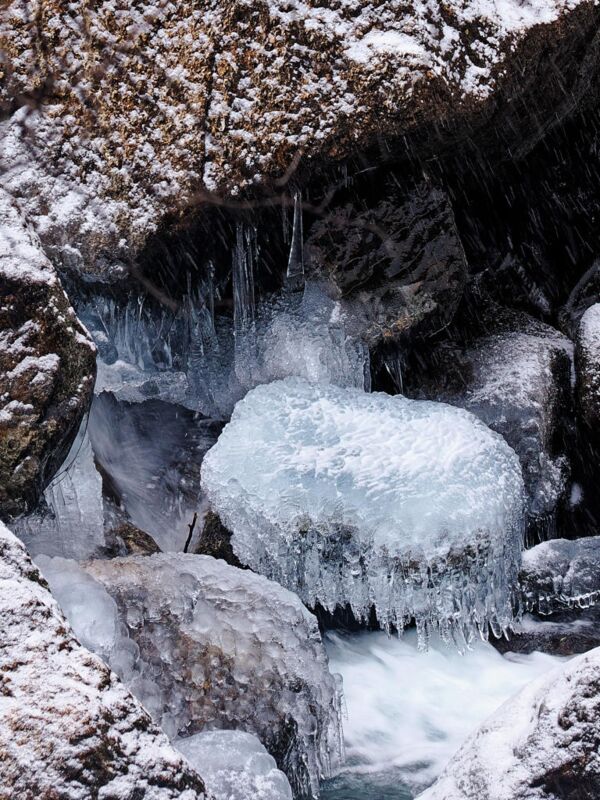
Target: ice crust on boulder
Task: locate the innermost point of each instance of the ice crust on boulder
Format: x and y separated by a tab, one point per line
207	646
561	574
413	508
235	766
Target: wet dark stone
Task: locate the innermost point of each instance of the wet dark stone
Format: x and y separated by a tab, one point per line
215	541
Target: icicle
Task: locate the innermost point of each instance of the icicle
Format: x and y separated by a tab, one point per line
295	269
211	292
393	365
243	280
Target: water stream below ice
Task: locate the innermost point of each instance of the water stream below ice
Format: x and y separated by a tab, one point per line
408	712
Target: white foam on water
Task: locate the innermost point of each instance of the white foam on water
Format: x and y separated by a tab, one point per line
408	712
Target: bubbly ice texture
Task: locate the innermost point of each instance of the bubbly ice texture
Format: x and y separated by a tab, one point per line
205	646
70	521
408	712
235	766
85	602
414	508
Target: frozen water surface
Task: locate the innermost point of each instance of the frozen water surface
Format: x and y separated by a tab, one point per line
408	712
413	507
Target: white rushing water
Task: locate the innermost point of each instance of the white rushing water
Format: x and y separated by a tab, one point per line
408	712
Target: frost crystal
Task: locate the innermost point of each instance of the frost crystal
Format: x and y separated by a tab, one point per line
413	508
235	766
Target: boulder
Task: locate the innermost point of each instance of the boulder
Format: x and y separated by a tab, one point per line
47	367
207	646
587	363
68	727
561	574
517	379
542	744
215	541
123	116
566	632
399	266
560	590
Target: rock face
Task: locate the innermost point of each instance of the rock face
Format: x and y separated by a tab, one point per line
518	381
68	727
411	508
561	574
209	646
587	360
542	744
400	265
150	108
46	366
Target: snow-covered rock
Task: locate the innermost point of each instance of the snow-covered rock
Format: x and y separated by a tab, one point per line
128	112
561	573
207	646
68	727
46	366
543	744
235	766
413	508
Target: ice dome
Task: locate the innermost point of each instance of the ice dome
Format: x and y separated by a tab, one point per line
412	507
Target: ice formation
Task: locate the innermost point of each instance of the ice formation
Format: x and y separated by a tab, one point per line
141	349
235	766
413	508
207	646
304	334
70	521
561	574
208	363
